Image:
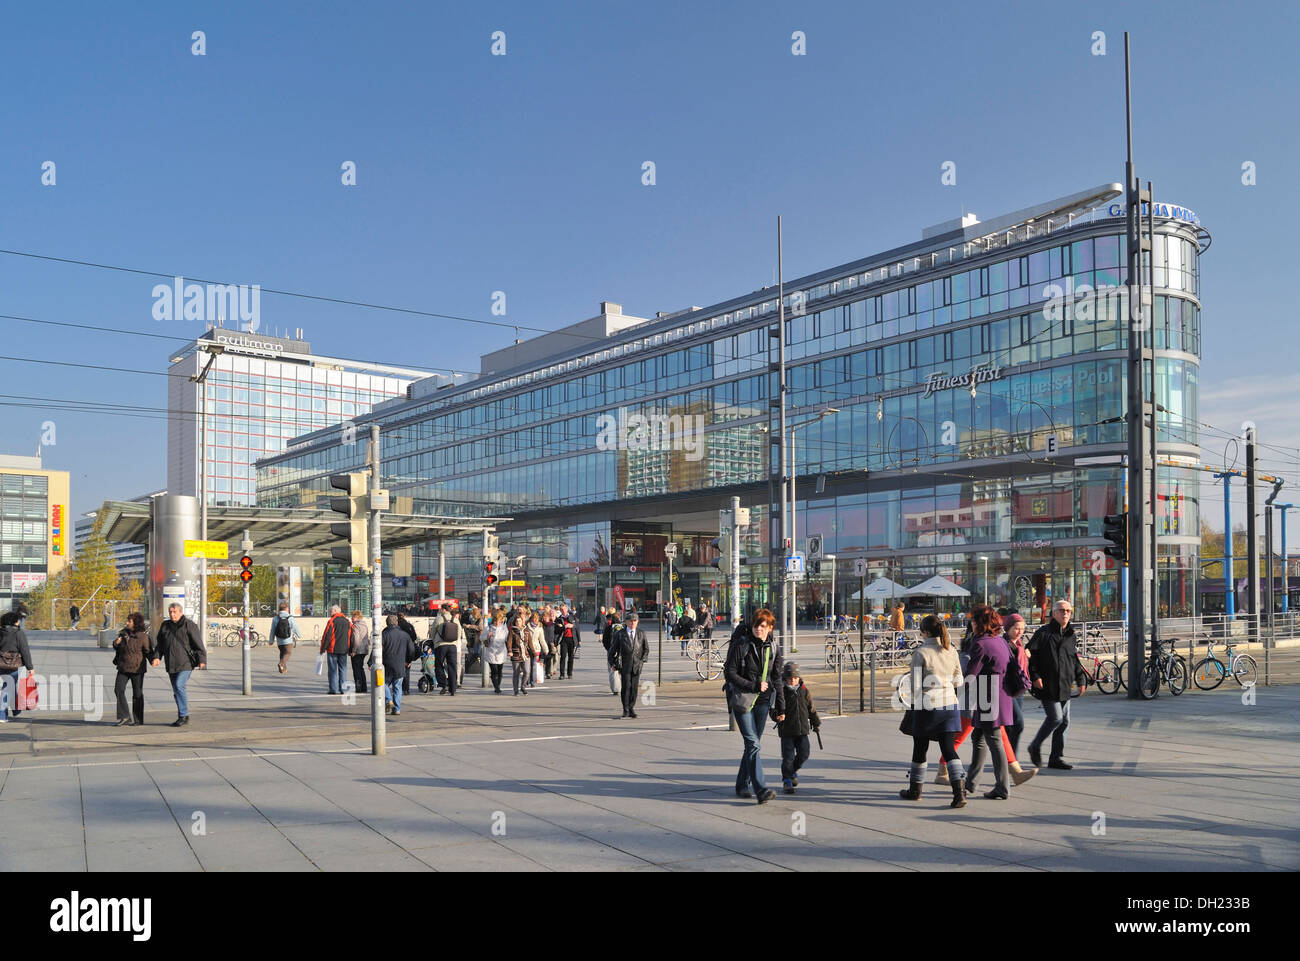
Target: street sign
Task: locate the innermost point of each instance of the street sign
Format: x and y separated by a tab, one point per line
511	583
742	517
670	550
399	581
794	575
794	563
859	567
217	550
814	547
1053	444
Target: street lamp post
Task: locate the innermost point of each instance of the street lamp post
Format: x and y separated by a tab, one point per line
214	351
831	558
986	579
794	536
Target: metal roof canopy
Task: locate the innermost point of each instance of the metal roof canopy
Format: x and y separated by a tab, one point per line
285	529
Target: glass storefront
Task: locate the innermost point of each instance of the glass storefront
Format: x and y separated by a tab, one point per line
949	384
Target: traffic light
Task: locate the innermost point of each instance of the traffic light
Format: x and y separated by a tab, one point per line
245	568
356	530
490	575
723	546
1115	530
815	567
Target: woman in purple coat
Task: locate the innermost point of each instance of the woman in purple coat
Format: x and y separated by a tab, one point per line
991	706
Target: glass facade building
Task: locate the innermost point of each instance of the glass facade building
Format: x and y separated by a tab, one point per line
955	364
261	391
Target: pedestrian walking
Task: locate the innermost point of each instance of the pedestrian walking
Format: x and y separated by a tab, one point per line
398	650
360	649
800	718
1013	626
180	645
131	652
537	649
495	644
409	629
989	659
552	642
446	651
1053	667
284	630
336	645
517	646
753	664
935	713
472	625
628	652
1011	733
14	656
566	628
686	626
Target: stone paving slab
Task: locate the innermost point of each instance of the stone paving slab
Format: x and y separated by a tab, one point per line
285	781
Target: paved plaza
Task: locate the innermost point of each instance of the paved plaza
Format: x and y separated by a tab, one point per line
283	780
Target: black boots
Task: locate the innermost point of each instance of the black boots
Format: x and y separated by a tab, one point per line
913	792
958	793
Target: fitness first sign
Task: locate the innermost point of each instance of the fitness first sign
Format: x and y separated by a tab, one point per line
942	380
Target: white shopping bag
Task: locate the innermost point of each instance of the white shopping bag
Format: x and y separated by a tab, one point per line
615	681
320	663
539	672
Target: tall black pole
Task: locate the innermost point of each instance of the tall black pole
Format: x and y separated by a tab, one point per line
1268	568
1155	406
1139	459
1252	535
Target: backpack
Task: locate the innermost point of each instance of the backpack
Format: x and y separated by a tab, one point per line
451	635
1014	682
283	629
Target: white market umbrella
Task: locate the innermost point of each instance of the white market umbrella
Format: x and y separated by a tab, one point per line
937	587
879	589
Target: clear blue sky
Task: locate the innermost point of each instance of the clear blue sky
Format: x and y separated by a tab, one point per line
522	173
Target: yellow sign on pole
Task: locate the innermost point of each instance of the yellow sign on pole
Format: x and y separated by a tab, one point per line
513	584
213	550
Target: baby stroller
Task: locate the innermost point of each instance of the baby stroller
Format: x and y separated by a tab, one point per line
428	668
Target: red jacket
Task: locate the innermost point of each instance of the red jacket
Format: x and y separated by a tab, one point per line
337	638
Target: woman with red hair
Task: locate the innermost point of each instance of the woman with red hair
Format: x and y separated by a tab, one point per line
989	660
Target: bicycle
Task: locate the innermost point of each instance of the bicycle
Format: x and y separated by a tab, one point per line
1209	672
1105	675
1163	665
709	662
235	637
841	647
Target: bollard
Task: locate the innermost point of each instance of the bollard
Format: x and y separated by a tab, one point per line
873	682
839	663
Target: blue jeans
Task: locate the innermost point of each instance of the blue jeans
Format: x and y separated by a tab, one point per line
179	680
751	724
1055	724
337	666
1017	725
8	692
393	690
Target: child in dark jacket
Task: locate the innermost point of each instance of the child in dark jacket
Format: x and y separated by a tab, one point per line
800	717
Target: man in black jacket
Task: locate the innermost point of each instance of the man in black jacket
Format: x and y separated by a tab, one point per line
752	671
1053	667
628	651
181	645
398	650
569	636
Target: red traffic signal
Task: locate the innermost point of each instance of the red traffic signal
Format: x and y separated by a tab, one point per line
489	574
246	568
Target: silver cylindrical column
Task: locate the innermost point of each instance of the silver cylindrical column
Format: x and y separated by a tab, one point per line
175	520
